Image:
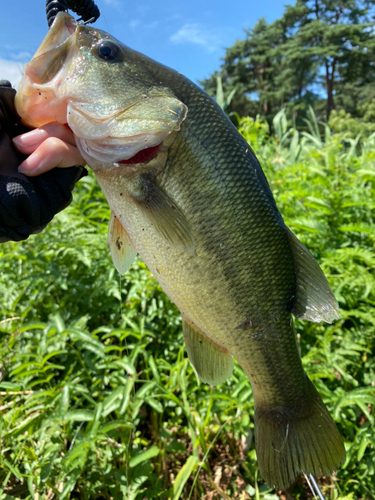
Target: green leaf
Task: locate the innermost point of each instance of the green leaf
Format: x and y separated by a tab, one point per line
24	426
64	400
362	447
112	401
79	451
9	386
14	469
144	455
154	369
183	476
145	389
47	467
156	405
79	416
32	326
116	424
126	395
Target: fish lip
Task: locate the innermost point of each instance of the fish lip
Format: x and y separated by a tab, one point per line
61	35
97	159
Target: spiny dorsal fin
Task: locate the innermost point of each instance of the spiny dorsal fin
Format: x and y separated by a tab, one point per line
163	214
122	251
314	298
212	363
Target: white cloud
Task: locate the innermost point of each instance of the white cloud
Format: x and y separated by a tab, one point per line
134	24
195	33
22	56
12	71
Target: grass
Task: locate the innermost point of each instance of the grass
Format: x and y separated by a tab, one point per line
97	397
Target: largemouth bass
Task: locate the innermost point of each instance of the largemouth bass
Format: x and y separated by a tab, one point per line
188	194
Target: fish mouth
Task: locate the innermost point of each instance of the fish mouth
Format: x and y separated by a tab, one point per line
143	156
134	135
109	131
37	89
121	151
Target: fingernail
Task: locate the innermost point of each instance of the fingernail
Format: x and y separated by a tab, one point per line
29	139
29	165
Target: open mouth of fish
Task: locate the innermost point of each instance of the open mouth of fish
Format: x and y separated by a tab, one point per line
59	84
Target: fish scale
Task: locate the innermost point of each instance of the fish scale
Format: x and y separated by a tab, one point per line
201	214
248	274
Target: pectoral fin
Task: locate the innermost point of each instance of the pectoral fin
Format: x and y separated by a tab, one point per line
314	299
212	363
122	251
163	214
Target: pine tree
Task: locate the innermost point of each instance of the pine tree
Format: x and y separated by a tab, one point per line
334	34
321	53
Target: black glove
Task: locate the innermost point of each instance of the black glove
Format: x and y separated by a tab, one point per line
27	204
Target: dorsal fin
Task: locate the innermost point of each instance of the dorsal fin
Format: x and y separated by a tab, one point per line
314	298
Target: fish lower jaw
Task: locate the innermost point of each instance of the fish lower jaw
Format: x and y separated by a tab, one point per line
143	156
100	156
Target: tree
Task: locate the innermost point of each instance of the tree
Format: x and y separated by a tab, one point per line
251	66
321	53
338	35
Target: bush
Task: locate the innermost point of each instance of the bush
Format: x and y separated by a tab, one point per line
98	399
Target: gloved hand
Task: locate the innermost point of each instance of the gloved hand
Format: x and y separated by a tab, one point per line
27	204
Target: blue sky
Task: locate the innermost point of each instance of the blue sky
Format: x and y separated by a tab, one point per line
187	35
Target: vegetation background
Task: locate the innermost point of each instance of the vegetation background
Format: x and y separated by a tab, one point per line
97	397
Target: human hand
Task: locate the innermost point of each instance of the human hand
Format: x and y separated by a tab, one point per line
27	204
50	146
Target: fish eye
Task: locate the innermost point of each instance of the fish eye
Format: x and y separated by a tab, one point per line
107	51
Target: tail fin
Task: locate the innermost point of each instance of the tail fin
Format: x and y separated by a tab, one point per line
295	440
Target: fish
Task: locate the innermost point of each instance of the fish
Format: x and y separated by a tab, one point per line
188	195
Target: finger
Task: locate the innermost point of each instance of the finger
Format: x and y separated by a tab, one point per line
29	142
52	153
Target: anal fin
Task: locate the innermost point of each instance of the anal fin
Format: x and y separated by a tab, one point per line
212	363
122	251
314	298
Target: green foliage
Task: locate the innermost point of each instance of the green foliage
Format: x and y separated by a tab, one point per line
223	103
343	123
97	397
